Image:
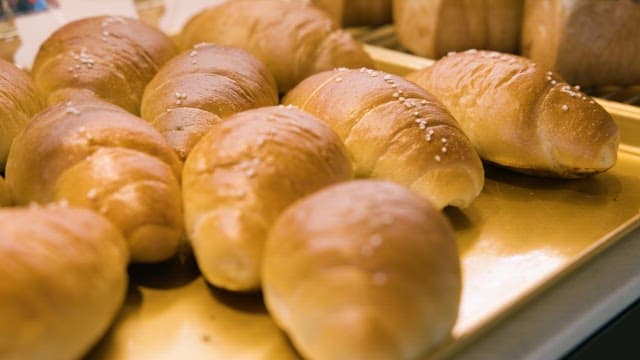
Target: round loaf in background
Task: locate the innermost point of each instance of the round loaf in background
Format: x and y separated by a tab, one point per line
588	42
432	28
64	278
113	57
362	270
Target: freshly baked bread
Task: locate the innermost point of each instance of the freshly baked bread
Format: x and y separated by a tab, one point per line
293	39
432	28
64	277
521	116
95	155
362	270
357	12
588	42
114	57
19	101
241	175
199	87
395	130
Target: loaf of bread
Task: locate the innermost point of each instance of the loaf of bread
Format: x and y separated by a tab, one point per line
395	130
241	175
357	12
292	38
113	57
64	278
522	116
201	86
588	42
432	28
19	101
362	270
96	155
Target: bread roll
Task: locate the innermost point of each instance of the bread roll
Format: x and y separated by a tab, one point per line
588	42
362	270
64	277
293	39
201	86
241	175
96	155
521	116
432	28
19	101
114	57
395	130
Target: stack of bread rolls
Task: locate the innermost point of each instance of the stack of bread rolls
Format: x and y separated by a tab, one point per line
268	191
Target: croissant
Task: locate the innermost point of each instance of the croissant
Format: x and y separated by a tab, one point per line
93	154
201	86
113	57
64	278
241	175
293	39
19	101
362	270
395	130
5	194
432	28
521	116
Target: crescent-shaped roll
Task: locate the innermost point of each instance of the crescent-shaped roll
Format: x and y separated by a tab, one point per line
241	175
521	116
64	278
19	101
432	28
111	56
96	155
201	86
362	270
395	130
292	38
5	194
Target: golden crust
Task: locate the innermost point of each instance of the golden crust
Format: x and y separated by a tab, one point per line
114	57
96	155
239	178
293	39
64	279
199	87
365	258
395	130
519	115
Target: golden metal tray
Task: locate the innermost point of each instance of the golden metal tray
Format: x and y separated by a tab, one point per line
522	235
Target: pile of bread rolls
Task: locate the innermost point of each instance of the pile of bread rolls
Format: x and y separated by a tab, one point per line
326	199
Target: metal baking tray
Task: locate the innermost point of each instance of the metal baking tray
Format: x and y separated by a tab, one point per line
521	236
